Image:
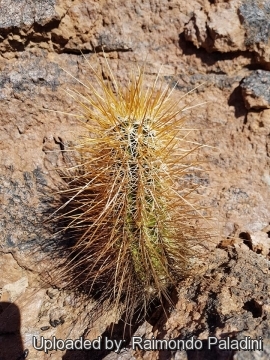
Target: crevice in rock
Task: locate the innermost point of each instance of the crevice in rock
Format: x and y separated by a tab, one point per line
18	262
36	33
246	239
72	51
211	58
102	48
213	317
254	307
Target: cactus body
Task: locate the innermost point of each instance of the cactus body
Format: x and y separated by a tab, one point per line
128	212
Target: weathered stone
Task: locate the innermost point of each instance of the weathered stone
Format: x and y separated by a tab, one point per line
25	12
216	28
256	16
232	27
41	39
259	122
231	306
256	90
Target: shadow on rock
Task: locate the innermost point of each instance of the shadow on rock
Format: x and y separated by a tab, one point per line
11	347
122	332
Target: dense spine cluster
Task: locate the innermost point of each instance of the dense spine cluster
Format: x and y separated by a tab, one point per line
128	203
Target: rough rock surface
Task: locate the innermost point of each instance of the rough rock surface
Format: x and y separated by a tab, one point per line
26	12
231	26
223	45
225	301
255	89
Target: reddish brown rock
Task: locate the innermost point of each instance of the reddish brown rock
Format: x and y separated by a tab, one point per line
231	26
217	27
230	295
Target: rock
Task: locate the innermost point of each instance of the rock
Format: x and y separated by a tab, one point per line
212	43
217	28
259	122
259	242
230	306
255	15
74	26
230	27
25	12
255	90
11	269
15	289
57	317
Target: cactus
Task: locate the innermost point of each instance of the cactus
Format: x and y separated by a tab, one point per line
128	202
